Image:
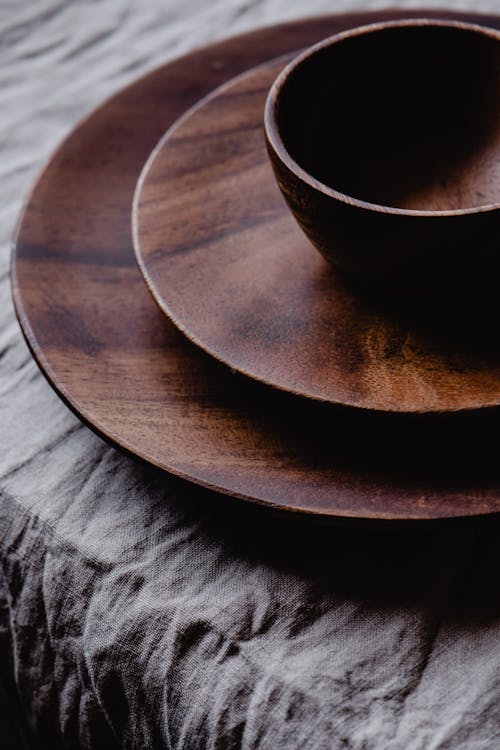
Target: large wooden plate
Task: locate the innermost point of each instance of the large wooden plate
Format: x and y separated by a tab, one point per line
228	264
128	373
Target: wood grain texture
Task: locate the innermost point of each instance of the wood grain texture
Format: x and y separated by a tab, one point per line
109	352
228	264
386	145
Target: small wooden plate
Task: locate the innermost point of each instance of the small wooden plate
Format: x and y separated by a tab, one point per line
226	261
117	361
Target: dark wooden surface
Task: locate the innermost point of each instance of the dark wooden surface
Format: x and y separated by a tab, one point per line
226	261
125	370
386	146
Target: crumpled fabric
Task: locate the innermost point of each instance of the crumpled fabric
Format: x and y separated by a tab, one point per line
137	611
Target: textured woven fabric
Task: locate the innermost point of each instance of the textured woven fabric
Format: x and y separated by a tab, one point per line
139	612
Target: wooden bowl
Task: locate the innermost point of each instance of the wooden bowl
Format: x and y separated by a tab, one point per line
385	142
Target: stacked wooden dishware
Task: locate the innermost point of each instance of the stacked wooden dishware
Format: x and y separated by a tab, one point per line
360	381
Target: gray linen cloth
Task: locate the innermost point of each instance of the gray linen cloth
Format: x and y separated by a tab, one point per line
137	611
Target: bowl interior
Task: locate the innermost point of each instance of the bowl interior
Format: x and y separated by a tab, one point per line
405	116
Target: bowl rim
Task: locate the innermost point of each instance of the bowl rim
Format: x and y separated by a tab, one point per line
275	141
